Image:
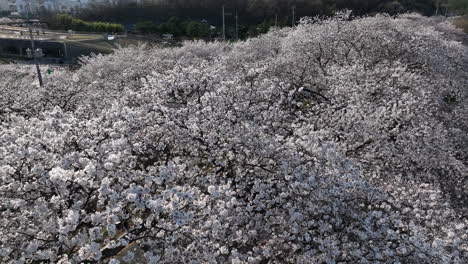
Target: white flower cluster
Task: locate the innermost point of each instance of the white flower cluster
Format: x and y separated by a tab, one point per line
338	141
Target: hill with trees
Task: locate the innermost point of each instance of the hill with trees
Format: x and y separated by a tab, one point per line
254	16
67	22
256	11
337	141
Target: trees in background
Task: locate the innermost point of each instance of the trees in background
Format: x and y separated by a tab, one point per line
66	22
175	27
197	29
146	27
250	11
458	5
255	13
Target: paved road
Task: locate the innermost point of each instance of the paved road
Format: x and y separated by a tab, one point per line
23	33
4	35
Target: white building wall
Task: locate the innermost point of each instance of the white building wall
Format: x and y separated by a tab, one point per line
30	6
69	5
3	5
8	5
116	2
26	6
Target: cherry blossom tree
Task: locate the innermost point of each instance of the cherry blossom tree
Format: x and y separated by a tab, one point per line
336	141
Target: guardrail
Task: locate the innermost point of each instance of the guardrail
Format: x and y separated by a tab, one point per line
6	36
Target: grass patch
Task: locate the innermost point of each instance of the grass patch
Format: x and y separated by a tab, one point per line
4	61
462	22
101	46
84	37
66	22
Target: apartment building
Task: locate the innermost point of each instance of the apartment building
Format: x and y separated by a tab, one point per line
8	5
65	6
34	6
117	2
30	6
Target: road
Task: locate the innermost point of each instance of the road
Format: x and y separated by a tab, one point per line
84	40
23	33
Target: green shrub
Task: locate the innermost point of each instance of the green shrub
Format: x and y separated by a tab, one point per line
196	29
146	27
462	23
66	22
173	26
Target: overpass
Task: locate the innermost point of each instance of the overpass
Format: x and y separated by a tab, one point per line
58	47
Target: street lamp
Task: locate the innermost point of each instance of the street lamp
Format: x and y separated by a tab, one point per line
33	52
224	24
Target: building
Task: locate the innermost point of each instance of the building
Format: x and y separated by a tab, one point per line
8	5
63	6
117	2
34	6
30	6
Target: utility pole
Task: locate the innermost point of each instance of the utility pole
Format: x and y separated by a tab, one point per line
237	26
65	50
224	27
293	15
39	76
33	53
30	11
276	19
224	23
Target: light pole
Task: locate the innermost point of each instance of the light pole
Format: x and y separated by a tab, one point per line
33	52
237	27
65	50
276	19
293	15
29	11
224	26
224	23
39	76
